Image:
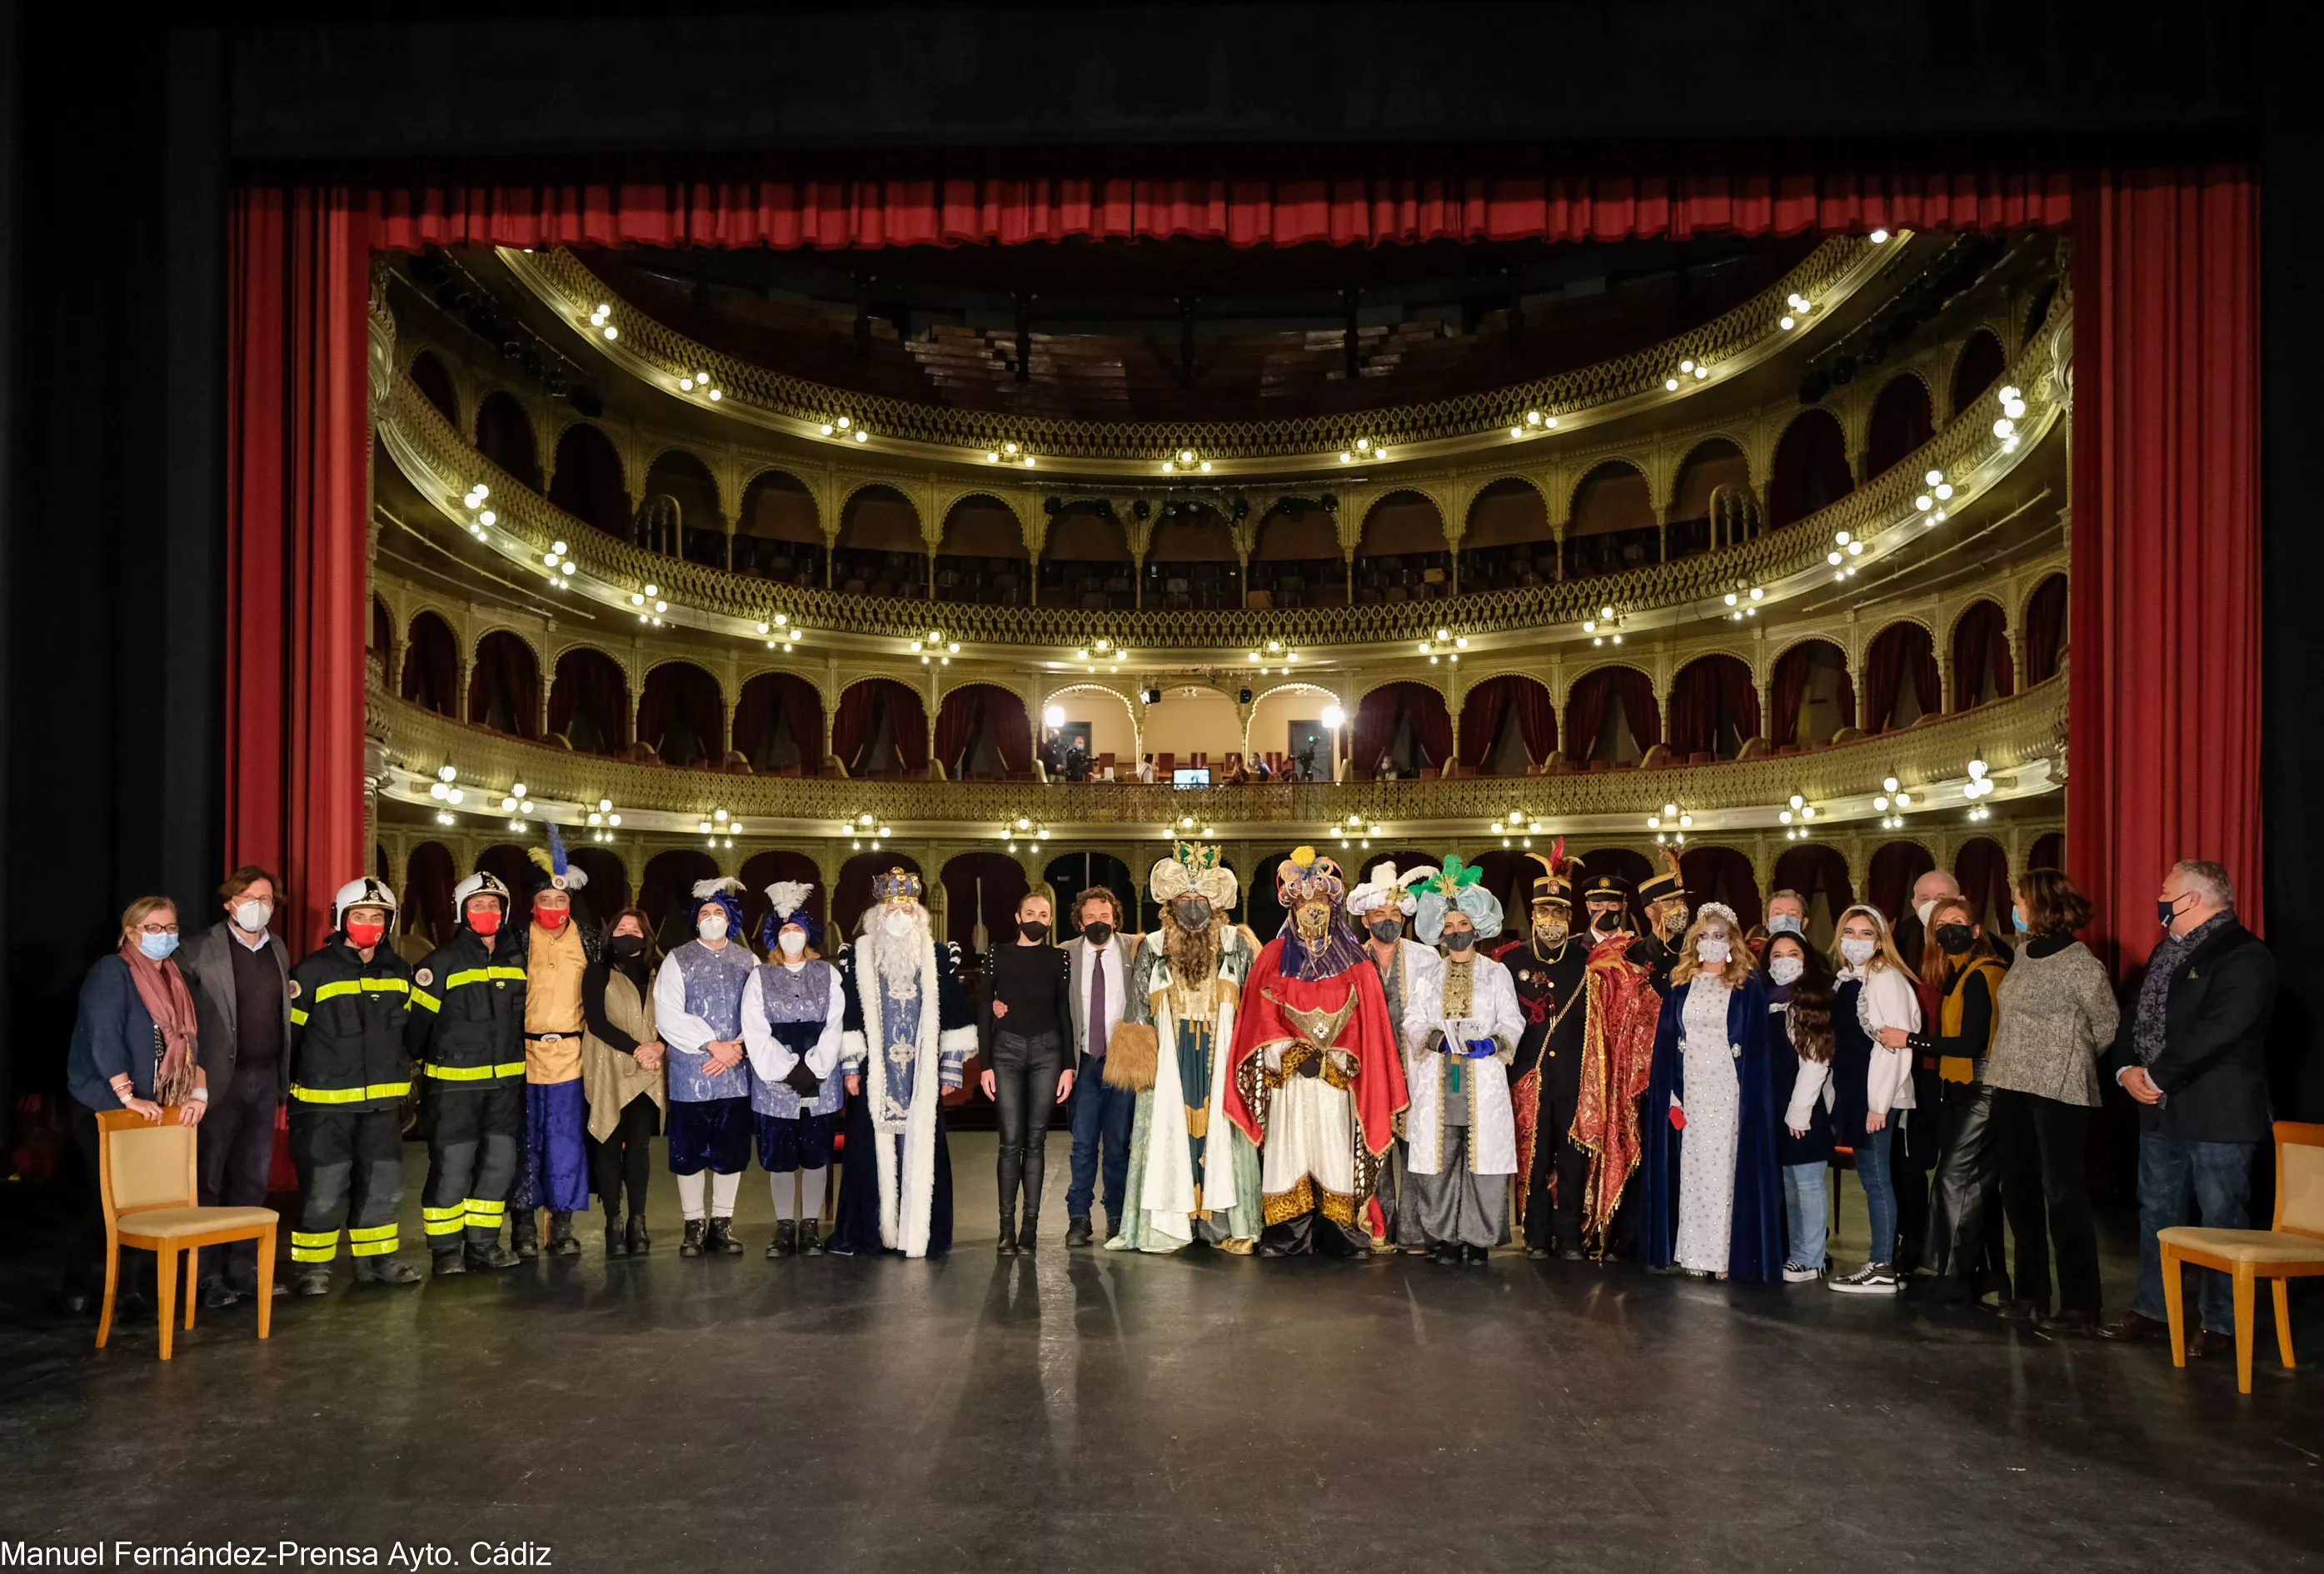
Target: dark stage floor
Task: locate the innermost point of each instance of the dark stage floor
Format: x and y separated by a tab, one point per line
1090	1410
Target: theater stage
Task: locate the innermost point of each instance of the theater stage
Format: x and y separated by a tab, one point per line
1082	1410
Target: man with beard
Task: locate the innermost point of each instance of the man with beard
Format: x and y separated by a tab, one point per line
907	1033
1621	1007
1317	1076
1381	905
1548	965
1193	1175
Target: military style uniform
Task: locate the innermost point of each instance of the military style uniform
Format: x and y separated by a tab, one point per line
349	1074
468	1032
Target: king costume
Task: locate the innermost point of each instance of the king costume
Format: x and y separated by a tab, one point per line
1317	1076
1383	903
1622	1008
1547	969
1193	1174
908	1032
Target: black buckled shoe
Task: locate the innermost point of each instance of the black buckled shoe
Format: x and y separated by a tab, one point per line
690	1244
786	1241
810	1239
719	1240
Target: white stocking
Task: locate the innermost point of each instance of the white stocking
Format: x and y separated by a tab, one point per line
689	1194
724	1190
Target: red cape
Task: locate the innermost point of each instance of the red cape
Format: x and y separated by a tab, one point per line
1378	1086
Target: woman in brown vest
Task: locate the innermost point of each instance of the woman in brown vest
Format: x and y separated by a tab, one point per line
622	1077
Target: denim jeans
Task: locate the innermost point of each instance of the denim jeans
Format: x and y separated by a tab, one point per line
1879	1189
1101	1118
1806	1203
2183	1181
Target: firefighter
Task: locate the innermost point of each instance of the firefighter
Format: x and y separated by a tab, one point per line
468	1032
349	1074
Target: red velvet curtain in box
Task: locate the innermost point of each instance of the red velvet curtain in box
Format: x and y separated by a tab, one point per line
1708	693
1812	867
1585	709
2166	539
1982	868
432	668
976	711
507	678
780	696
1488	705
1383	708
1981	635
1794	668
856	722
1895	865
2046	635
679	691
426	905
590	684
1900	652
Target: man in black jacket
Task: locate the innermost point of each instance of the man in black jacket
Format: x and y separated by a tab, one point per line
466	1033
2194	1054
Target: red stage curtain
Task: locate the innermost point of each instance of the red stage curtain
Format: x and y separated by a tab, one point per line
2166	539
962	719
1536	716
1982	868
1901	650
856	722
1640	708
1481	718
1888	884
1707	692
2046	635
1585	715
792	699
1376	720
1793	667
2049	851
298	443
1980	631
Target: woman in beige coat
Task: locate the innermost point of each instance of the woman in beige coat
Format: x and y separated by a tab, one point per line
622	1077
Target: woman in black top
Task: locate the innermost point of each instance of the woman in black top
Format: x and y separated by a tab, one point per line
1965	1237
1022	1016
622	1073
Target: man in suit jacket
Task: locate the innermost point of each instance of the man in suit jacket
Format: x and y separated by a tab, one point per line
1099	981
2194	1054
239	976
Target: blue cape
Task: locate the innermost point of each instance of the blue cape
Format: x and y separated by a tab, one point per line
1754	1245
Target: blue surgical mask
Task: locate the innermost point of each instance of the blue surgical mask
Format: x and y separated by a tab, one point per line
1785	923
157	947
2018	922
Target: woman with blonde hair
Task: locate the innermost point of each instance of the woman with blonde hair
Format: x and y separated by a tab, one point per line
1873	1015
1709	1196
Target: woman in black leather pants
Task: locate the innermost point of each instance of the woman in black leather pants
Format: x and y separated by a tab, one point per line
1964	1238
1022	1021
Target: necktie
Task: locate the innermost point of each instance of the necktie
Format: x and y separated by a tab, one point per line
1097	1002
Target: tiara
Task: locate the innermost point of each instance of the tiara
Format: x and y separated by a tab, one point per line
898	885
1719	909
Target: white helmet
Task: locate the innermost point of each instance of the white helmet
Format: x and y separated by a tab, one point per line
479	884
366	892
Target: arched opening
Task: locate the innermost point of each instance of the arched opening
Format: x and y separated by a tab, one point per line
1712	504
1724	875
1888	881
691	527
1085	561
1287	731
881	729
1982	670
435	385
1191	563
1612	524
983	734
681	715
589	702
1611	718
1401	554
1507	541
1099	721
666	892
425	913
1071	874
1978	368
1901	422
981	557
1295	559
505	436
851	896
1813	695
1981	866
608	891
762	870
1900	678
981	891
779	726
1820	875
1192	726
779	536
431	665
381	640
505	688
1509	726
588	483
1714	709
1401	730
2046	629
881	550
1810	471
2049	851
513	866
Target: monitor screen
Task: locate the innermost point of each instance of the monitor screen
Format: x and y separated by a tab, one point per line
1191	775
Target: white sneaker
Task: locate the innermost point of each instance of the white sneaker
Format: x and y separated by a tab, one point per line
1871	1279
1801	1274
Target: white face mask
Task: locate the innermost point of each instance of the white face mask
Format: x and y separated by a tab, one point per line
1858	951
251	918
792	941
899	922
711	927
1786	970
1924	909
1710	949
1785	924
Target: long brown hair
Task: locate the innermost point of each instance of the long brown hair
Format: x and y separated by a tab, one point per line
1808	1015
2053	904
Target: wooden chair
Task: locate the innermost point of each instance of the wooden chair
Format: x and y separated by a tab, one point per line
145	1176
2293	1248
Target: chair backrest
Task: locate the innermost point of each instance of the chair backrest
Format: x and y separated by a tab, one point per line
2299	1177
146	1167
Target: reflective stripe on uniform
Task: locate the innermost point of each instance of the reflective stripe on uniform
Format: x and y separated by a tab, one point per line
473	1073
424	1000
315	1246
377	1240
488	1214
444	1220
484	975
358	985
298	1018
350	1095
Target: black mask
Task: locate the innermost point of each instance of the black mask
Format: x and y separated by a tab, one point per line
1097	933
1956	938
1193	913
1387	929
1605	922
1033	930
1461	940
626	947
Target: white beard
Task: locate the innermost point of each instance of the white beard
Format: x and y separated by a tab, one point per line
898	958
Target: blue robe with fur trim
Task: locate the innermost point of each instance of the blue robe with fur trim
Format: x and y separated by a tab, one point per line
1755	1241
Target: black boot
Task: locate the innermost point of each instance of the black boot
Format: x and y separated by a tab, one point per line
385	1270
1077	1232
313	1282
719	1241
524	1232
1025	1231
489	1253
639	1241
617	1245
561	1243
1008	1244
451	1262
810	1239
786	1241
691	1245
1448	1251
1478	1255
